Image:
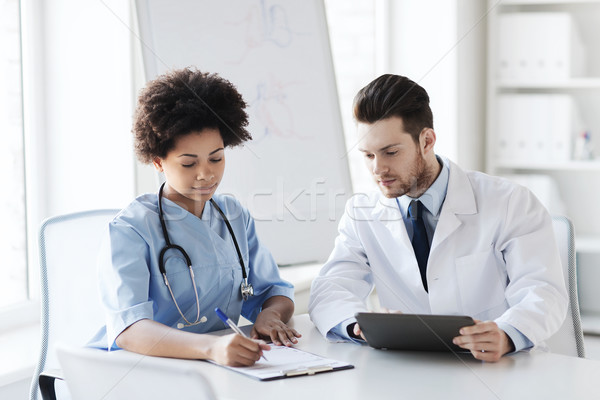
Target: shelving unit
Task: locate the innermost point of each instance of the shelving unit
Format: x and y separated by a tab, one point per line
572	83
577	181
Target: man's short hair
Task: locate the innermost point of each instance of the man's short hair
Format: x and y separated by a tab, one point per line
394	96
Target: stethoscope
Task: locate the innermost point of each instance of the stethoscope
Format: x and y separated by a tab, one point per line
246	288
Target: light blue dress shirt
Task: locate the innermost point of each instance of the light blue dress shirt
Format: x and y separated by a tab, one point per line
132	287
432	200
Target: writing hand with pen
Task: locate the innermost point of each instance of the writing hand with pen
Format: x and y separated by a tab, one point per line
237	349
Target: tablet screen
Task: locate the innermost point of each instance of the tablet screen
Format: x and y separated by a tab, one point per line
412	331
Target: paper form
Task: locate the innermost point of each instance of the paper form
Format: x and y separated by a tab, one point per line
288	361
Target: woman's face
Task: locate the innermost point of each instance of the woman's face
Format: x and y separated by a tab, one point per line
193	169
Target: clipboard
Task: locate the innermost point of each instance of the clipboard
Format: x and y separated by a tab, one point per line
289	362
420	332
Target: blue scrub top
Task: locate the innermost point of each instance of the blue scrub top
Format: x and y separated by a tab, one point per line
132	287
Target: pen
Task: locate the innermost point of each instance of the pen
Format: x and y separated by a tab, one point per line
233	326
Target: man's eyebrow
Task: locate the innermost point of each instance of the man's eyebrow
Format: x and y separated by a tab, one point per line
384	148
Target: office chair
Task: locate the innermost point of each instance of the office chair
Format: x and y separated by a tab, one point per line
569	338
93	374
71	309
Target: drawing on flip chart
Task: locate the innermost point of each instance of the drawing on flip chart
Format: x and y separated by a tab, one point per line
262	24
273	113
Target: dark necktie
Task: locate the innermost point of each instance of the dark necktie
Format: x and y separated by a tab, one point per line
419	241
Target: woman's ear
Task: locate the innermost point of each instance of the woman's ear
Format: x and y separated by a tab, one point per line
157	164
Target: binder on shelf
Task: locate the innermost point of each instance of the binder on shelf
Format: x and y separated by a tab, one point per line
540	47
535	128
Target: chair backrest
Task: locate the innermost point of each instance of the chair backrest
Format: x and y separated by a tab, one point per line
569	338
93	374
71	310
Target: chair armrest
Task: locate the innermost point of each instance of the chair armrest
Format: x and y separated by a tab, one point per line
46	382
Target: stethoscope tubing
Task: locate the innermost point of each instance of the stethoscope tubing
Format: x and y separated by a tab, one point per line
169	245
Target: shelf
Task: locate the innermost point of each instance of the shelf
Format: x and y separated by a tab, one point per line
546	2
590	324
574	83
577	166
587	244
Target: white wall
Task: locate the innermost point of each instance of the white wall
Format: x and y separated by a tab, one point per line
443	50
440	44
86	85
78	105
353	37
422	47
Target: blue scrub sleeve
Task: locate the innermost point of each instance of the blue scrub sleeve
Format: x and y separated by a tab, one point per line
124	280
263	273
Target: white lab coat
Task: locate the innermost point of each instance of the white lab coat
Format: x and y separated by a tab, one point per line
493	257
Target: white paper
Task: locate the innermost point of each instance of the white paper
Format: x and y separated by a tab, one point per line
284	361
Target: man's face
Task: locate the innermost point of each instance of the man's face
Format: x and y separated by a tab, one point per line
393	158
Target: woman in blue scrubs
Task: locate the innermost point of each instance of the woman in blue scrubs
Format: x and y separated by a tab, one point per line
183	122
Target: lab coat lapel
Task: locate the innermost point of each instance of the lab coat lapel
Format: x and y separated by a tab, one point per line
387	213
460	199
398	249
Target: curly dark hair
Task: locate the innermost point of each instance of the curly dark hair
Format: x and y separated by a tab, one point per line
183	101
394	95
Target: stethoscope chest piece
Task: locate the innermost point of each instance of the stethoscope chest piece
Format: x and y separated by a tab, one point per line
246	289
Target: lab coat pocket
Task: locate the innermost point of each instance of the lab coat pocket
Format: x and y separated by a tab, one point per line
481	283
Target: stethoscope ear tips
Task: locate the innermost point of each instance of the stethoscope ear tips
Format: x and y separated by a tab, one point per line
203	319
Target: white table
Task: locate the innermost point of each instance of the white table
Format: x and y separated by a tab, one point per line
380	374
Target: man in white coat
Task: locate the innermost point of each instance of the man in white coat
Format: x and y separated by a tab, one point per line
437	239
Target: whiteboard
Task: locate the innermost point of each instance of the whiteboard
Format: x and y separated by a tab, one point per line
293	176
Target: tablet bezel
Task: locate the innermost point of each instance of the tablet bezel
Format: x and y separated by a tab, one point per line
419	332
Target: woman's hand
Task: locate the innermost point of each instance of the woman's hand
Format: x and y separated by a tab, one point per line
237	351
270	323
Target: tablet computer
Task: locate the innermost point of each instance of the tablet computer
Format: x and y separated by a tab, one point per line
412	331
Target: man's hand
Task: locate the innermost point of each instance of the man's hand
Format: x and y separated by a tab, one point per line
356	332
485	340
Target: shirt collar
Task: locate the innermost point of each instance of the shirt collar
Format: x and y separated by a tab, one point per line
434	196
175	212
